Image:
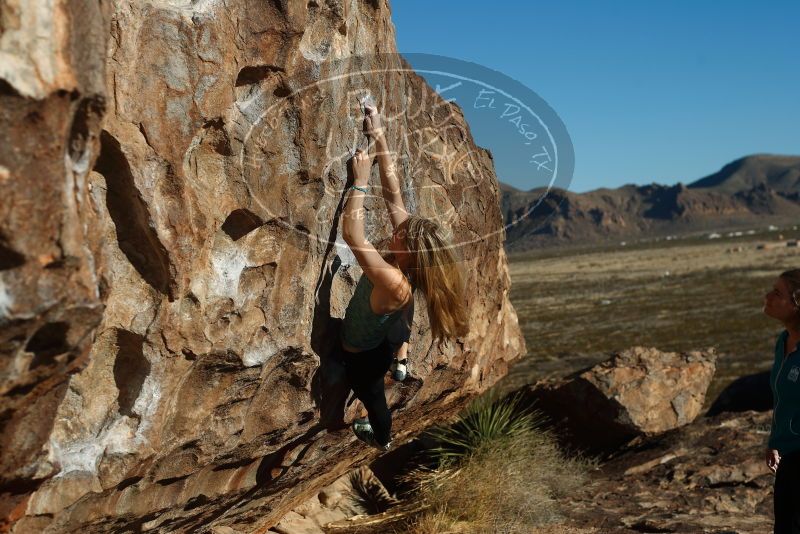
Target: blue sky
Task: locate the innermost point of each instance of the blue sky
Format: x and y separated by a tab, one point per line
649	91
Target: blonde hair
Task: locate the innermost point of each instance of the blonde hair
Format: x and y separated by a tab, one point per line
792	278
435	270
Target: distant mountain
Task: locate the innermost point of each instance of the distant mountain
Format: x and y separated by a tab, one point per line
755	190
780	173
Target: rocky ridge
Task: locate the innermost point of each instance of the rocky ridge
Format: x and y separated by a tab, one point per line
751	192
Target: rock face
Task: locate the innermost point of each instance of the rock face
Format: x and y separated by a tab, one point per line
639	391
172	275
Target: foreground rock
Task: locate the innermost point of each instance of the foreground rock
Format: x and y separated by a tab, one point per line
639	391
171	282
705	477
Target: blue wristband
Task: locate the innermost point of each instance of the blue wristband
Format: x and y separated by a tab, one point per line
359	188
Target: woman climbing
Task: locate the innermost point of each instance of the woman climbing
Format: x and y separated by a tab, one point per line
783	447
420	257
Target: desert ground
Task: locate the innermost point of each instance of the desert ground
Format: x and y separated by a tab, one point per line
577	305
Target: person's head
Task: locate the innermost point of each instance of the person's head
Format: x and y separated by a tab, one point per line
783	301
423	250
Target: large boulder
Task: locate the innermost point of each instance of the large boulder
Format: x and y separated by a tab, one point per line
172	274
638	391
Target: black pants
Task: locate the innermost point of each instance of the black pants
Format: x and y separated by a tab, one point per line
787	494
365	372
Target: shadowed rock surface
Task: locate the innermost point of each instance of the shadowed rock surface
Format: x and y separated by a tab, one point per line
173	276
749	392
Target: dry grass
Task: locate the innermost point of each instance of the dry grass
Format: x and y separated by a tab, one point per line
434	522
510	485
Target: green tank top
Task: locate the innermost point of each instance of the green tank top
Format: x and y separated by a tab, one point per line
362	328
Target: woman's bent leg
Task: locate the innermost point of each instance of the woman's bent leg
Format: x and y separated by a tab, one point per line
373	397
365	372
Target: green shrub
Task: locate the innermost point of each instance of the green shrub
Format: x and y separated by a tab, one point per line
486	420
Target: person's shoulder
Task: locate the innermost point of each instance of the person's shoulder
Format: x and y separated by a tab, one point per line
400	290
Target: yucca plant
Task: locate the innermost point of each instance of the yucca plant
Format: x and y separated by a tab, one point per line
485	421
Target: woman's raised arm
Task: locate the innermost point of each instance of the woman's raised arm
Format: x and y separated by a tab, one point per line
390	185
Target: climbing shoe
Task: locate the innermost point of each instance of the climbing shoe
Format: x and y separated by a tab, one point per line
363	431
399	369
